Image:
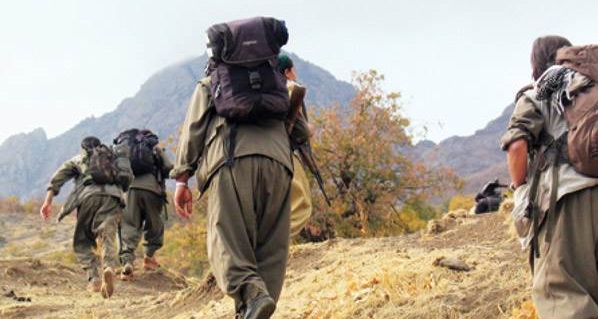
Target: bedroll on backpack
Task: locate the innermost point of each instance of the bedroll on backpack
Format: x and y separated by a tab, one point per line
140	145
101	166
582	114
245	84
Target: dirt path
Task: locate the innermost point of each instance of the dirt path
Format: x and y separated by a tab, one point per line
361	278
52	290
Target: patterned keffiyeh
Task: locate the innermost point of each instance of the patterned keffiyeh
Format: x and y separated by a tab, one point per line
560	84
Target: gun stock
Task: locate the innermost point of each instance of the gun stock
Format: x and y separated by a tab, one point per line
296	100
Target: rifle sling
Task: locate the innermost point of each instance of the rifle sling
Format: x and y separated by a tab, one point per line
554	153
531	208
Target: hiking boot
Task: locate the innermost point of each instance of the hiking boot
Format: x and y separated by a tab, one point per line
107	283
261	307
94	285
127	272
150	263
239	315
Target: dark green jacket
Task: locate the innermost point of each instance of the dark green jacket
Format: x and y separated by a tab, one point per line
73	169
150	181
203	143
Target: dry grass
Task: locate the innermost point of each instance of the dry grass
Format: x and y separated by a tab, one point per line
396	277
393	277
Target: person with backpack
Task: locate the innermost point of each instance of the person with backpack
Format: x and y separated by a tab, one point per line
146	199
235	141
489	198
101	175
301	203
556	198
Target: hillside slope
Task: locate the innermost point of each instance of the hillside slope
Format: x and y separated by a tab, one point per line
395	277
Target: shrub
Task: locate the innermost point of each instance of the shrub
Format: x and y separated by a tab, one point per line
362	156
461	202
185	247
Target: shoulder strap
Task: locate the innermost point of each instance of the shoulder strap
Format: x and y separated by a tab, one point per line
533	209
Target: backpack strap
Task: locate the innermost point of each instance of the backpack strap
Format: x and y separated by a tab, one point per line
231	141
560	156
552	152
532	209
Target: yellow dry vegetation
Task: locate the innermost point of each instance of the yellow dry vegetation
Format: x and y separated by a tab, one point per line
461	202
392	277
526	311
396	277
185	249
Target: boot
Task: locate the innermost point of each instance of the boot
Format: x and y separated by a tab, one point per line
150	263
261	307
107	288
257	301
94	285
127	272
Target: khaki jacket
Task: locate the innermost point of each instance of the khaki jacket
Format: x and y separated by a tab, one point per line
73	169
149	182
203	144
529	119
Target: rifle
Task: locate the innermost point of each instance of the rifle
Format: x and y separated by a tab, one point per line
307	157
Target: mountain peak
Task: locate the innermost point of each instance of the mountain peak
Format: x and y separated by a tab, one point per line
28	160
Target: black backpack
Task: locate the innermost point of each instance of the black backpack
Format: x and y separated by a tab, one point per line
102	165
242	67
141	145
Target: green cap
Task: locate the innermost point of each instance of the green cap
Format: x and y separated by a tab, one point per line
284	63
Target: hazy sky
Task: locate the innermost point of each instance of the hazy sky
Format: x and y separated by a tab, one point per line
457	63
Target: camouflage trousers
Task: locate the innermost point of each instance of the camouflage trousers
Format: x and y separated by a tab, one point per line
142	216
97	221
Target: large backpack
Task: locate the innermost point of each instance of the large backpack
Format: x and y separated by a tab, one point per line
141	145
245	84
102	165
582	114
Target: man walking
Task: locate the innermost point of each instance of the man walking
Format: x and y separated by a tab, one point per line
146	200
561	202
246	164
98	199
301	202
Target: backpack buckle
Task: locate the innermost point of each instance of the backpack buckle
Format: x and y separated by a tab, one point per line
255	80
217	92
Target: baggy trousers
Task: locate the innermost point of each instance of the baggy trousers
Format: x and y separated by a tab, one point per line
97	218
565	282
141	216
301	205
248	226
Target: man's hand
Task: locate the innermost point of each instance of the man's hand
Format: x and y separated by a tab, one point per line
46	210
183	201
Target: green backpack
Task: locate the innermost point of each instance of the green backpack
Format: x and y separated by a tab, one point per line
101	165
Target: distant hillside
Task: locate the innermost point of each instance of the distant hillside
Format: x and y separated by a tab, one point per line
28	160
476	158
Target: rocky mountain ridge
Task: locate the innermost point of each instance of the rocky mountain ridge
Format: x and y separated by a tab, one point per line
28	160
